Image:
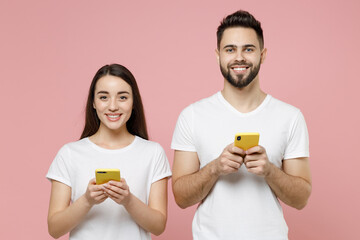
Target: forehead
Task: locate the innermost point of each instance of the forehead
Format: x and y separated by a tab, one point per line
112	83
239	36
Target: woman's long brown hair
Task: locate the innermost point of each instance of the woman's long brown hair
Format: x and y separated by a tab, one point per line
136	125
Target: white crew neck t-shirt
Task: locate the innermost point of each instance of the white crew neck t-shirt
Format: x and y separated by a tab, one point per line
141	163
241	205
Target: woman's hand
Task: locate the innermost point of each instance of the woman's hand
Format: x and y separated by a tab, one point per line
94	193
63	216
117	191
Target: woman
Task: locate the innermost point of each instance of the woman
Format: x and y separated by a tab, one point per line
114	136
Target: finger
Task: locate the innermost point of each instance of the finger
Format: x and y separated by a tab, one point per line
235	158
122	184
254	170
251	157
112	189
255	160
117	194
115	183
101	198
95	188
235	150
234	165
251	164
96	194
92	181
257	163
257	149
112	194
229	163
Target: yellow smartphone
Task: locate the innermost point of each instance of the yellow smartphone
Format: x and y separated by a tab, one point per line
246	140
103	175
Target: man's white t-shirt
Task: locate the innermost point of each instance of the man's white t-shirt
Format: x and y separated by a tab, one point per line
141	163
241	205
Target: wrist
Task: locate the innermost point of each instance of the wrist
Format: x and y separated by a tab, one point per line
86	202
213	169
270	172
127	202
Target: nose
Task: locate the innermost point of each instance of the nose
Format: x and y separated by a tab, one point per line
113	105
239	55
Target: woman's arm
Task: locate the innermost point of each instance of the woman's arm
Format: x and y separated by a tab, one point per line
63	216
151	217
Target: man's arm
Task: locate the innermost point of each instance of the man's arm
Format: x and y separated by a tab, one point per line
191	184
291	184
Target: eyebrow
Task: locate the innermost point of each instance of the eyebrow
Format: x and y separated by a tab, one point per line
106	92
234	46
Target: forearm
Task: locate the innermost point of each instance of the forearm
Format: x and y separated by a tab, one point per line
292	190
64	221
193	188
149	219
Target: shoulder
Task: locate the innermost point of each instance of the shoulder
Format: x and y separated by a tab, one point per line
282	107
82	143
147	144
74	146
202	104
150	150
213	99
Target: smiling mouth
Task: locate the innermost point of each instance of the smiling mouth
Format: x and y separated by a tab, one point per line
239	69
113	117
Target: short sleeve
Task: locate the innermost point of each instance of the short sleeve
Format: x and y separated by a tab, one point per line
162	166
183	137
298	141
59	170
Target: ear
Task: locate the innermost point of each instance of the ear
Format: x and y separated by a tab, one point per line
217	55
94	105
263	55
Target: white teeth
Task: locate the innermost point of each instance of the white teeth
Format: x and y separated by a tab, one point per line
113	116
239	69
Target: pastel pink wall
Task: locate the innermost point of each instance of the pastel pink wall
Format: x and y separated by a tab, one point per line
50	50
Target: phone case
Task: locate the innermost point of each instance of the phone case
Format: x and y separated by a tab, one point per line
246	140
103	175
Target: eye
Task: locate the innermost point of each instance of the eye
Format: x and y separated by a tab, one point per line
103	97
249	50
123	98
229	50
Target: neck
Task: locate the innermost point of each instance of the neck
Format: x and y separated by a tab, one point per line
245	99
112	139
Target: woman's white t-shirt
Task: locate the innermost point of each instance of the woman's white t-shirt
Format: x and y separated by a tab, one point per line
141	163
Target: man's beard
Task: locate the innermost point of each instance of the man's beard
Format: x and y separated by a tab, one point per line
239	81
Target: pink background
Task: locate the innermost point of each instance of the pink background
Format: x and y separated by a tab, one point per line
50	51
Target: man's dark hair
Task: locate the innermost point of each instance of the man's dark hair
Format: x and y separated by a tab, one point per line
240	19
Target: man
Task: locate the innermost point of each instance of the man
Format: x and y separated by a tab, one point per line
238	190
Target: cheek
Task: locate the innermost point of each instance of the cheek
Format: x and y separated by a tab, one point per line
126	107
224	65
224	61
256	59
99	106
130	107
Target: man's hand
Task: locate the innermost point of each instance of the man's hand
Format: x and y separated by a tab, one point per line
257	161
229	161
292	184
